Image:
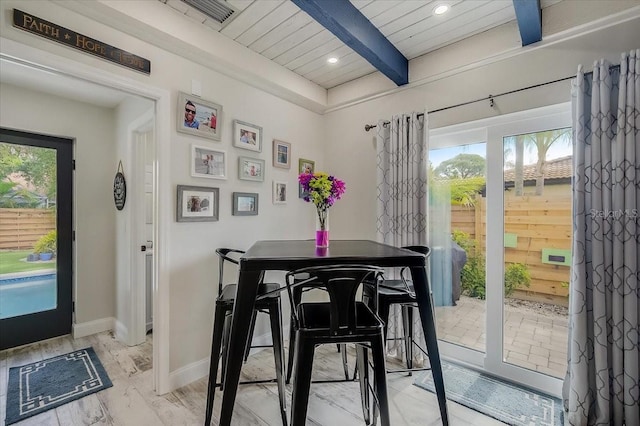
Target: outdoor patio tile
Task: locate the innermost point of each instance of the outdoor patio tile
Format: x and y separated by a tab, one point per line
539	360
536	350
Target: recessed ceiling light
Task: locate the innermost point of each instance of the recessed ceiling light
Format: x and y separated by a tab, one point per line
332	60
441	9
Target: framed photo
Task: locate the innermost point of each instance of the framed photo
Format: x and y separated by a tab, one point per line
250	169
305	166
281	154
197	204
245	204
199	117
247	136
279	192
208	163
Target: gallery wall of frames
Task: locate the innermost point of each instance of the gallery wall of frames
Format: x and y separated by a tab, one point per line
243	156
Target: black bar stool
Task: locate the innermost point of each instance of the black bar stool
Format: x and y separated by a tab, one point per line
400	291
267	301
341	320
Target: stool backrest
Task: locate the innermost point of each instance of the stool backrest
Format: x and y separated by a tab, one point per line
229	255
342	284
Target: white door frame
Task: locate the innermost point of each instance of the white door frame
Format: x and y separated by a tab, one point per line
137	315
32	57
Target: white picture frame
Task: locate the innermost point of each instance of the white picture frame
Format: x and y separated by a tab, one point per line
281	154
251	169
279	192
208	116
247	136
208	162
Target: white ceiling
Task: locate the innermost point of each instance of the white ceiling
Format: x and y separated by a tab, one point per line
281	32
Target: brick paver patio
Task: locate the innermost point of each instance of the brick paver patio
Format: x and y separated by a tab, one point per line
533	339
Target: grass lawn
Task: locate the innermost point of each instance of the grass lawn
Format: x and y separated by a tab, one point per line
15	261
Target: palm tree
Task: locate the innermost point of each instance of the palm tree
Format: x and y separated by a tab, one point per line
541	142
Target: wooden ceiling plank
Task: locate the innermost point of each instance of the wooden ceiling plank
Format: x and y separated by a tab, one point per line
366	69
321	52
419	19
268	23
322	71
466	26
395	13
302	48
249	17
279	33
343	52
294	39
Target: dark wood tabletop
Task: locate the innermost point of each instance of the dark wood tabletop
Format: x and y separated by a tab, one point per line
294	254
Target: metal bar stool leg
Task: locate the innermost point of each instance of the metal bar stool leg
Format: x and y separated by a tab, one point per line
301	382
275	313
380	376
216	347
362	364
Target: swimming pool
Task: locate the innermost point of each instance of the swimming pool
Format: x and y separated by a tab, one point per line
27	295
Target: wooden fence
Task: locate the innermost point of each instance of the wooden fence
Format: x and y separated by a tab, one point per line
21	228
540	222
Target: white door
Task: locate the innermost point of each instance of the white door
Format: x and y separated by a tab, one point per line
506	329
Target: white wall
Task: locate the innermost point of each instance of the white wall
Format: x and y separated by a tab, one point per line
92	129
191	264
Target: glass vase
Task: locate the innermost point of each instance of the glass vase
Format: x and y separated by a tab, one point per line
322	228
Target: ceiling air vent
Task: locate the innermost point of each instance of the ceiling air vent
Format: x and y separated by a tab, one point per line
218	10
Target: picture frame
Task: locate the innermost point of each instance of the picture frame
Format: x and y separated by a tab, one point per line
208	116
197	203
245	204
281	154
208	162
305	166
279	192
247	136
251	169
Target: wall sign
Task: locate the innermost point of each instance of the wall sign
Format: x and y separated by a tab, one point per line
62	35
119	188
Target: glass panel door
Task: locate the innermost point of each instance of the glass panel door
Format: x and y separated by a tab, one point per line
35	237
456	237
537	249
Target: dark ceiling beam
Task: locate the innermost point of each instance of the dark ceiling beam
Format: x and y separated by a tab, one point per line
529	18
354	29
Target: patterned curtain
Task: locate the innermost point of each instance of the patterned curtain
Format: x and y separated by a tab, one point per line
602	386
402	202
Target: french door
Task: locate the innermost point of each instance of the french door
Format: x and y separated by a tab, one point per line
35	237
500	223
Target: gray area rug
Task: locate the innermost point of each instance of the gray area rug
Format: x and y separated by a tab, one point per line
514	405
43	385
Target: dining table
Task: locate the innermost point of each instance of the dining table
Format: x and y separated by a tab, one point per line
287	255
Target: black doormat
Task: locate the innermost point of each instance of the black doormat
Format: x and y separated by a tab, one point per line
43	385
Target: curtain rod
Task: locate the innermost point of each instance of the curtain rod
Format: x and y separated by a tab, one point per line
490	98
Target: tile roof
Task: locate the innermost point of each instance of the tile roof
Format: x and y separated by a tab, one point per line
558	168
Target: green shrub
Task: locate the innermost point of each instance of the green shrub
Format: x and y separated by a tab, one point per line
473	275
516	275
47	243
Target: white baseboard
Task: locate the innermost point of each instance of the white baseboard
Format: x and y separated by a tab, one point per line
92	327
121	332
189	373
199	369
